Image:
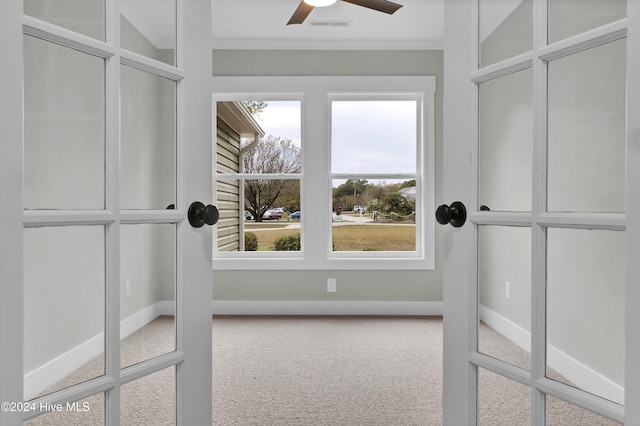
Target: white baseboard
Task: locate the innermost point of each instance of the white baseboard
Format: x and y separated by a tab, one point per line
55	370
308	307
578	373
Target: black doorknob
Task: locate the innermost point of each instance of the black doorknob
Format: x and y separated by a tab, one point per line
456	214
199	214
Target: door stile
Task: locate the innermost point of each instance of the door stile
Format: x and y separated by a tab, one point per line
112	203
538	206
459	390
632	339
11	244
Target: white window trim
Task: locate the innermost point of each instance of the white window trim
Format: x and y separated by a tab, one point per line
316	93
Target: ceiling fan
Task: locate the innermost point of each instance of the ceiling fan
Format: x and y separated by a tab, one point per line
306	6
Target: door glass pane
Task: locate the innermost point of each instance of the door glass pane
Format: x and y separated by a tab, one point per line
148	141
502	401
150	400
64	141
83	16
148	273
64	307
86	412
506	29
504	280
506	142
562	413
571	17
587	130
149	28
585	310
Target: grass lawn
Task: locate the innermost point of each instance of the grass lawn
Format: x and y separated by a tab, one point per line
374	238
263	225
353	237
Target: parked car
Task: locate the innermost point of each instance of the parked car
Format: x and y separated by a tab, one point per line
271	215
295	215
247	215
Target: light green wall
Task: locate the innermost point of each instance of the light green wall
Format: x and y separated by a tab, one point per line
352	285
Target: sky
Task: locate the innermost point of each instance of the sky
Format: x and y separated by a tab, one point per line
367	136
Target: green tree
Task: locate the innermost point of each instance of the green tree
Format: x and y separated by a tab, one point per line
272	154
255	107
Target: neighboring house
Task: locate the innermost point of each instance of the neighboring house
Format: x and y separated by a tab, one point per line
234	123
409	193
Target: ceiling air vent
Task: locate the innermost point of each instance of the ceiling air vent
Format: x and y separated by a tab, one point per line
317	23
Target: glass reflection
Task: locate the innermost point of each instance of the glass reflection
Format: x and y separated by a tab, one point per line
587	130
148	272
585	310
149	28
506	142
148	141
504	279
83	16
571	17
64	307
506	29
64	125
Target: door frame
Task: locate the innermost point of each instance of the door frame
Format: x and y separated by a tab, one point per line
192	357
460	278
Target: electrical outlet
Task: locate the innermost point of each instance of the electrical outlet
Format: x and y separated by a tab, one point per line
331	285
127	288
507	289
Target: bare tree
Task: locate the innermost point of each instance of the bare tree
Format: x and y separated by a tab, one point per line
272	154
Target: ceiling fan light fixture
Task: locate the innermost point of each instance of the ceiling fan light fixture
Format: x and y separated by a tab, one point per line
320	3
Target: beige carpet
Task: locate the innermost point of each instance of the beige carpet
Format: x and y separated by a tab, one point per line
320	371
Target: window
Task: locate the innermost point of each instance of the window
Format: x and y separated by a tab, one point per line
359	196
375	143
258	160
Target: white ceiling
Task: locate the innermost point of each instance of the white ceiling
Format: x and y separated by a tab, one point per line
262	24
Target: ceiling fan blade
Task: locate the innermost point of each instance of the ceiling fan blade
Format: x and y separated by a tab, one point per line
379	5
300	14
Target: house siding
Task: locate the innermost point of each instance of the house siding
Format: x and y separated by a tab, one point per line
228	191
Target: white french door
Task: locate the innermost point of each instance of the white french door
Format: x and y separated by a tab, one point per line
542	145
105	286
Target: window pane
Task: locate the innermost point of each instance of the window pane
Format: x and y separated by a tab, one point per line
157	407
64	116
562	413
64	307
149	29
502	401
148	144
374	215
86	412
587	130
275	226
586	310
83	16
148	273
506	29
504	289
506	142
374	136
571	17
